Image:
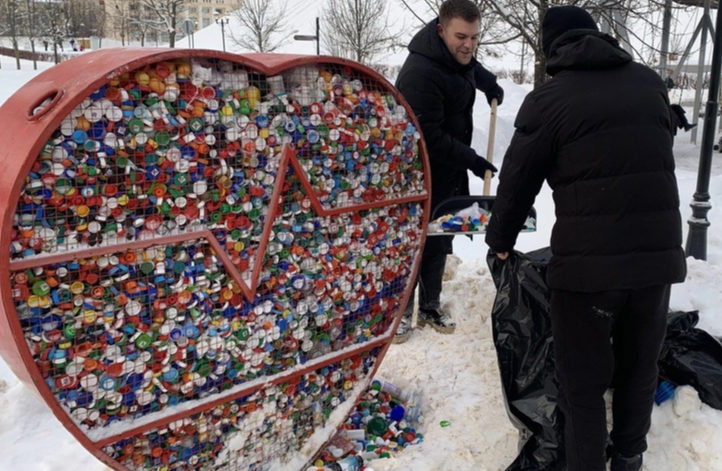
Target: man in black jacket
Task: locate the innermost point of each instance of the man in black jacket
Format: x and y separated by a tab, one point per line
600	132
439	80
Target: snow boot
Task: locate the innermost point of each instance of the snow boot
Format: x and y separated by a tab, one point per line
439	320
403	331
626	463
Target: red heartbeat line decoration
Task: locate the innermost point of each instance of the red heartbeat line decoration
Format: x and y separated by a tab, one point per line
288	157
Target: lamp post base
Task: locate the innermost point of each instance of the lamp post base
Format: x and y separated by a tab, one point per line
698	223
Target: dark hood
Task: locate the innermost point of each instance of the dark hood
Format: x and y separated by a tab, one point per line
428	43
583	49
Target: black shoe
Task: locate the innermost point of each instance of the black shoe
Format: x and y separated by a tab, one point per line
688	126
403	331
626	463
439	320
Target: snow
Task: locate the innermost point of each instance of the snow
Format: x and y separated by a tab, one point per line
456	374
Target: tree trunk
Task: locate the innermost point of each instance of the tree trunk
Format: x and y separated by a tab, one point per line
540	69
17	52
540	61
171	33
35	60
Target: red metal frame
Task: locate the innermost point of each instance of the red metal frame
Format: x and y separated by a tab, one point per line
72	81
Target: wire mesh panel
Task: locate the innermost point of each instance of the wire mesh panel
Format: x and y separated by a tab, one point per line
253	432
206	256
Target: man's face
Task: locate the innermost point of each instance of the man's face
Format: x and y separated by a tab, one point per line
461	37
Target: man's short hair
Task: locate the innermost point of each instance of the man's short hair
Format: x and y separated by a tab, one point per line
464	9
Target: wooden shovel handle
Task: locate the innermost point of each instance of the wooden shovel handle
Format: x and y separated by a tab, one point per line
490	147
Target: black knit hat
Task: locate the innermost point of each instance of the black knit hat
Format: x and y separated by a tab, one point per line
559	20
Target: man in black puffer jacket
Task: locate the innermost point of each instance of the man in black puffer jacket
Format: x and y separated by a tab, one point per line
439	80
600	132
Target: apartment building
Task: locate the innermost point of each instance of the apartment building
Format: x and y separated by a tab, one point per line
202	12
132	21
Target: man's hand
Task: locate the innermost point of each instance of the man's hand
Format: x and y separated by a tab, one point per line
496	92
503	255
481	166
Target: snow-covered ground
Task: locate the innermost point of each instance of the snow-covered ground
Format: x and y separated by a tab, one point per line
457	374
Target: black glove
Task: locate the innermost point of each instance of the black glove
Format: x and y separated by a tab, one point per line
496	92
679	115
481	166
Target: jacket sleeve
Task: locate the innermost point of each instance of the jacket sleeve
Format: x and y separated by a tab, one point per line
526	165
427	101
485	80
674	116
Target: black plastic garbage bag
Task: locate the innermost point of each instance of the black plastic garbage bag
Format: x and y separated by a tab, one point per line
523	340
691	356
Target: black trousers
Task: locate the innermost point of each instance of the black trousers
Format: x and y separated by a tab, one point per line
430	279
600	337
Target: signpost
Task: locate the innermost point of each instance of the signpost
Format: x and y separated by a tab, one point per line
317	37
188	28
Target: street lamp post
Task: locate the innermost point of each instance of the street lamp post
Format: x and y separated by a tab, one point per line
223	21
698	223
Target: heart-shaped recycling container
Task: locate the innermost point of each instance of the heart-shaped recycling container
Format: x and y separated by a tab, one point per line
205	255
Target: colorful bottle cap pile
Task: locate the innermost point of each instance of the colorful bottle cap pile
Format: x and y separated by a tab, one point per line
385	421
470	220
257	431
195	228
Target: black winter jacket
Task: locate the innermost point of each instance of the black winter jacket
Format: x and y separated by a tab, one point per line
600	132
441	93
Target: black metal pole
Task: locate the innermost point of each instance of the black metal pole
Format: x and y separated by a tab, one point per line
698	223
318	37
223	33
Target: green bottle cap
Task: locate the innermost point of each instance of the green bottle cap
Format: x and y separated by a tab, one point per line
377	426
143	341
41	288
135	125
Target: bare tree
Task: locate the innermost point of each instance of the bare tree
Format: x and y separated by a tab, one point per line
262	25
10	12
31	27
82	18
133	21
142	27
360	29
168	13
51	24
121	20
525	18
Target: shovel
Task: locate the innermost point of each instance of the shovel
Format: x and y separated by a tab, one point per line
444	221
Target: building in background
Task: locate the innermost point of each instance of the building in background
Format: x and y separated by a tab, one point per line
134	21
204	12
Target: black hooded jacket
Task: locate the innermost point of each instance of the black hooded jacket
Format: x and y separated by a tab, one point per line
441	93
600	132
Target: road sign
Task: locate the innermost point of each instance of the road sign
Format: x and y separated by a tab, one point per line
188	26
